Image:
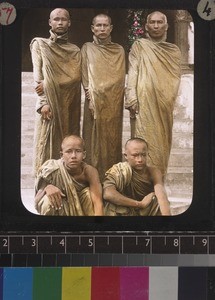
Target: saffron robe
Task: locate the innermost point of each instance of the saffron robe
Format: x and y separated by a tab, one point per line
133	185
77	200
103	74
153	82
57	63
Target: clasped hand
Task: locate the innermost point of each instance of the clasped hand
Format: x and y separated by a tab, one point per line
55	196
133	110
45	112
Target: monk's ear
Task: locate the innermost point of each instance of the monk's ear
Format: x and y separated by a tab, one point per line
61	153
84	154
167	26
146	27
125	155
92	28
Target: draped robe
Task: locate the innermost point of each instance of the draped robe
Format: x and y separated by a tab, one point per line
153	83
103	75
77	200
133	185
57	63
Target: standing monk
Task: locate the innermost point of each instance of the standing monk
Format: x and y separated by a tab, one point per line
153	82
103	78
57	73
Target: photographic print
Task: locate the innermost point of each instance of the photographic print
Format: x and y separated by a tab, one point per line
123	80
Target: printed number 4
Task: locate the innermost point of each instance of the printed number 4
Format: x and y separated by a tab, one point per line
207	9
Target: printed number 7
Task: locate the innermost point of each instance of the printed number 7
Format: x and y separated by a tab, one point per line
8	11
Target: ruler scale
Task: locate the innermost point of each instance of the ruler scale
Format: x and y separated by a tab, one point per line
92	243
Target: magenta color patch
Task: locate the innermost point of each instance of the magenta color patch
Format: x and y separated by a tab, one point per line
134	283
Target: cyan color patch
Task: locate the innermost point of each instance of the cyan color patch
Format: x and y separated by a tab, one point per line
1	282
17	283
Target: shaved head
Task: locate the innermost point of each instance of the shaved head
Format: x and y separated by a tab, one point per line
158	13
103	16
72	138
136	139
57	10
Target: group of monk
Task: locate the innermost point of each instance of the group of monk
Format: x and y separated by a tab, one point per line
85	176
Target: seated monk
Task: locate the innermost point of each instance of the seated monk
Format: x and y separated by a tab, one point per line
69	186
131	188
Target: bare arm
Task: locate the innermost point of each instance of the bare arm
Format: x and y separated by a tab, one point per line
95	190
110	194
160	191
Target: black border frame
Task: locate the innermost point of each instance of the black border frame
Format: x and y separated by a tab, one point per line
199	216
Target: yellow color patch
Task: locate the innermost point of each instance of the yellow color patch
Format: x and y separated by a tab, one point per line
76	283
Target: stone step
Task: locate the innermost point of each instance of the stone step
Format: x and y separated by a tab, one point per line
28	100
178	208
29	113
179	182
181	157
181	125
28	125
27	181
182	140
27	141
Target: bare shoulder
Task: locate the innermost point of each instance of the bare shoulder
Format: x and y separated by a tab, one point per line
155	174
90	172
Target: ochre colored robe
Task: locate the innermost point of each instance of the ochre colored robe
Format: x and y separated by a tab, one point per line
153	82
130	184
58	64
103	74
77	202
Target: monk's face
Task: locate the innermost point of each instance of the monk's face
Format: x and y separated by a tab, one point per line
101	27
157	26
59	21
136	155
72	153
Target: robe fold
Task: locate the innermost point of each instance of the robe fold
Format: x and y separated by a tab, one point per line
57	63
77	200
103	75
153	83
133	185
